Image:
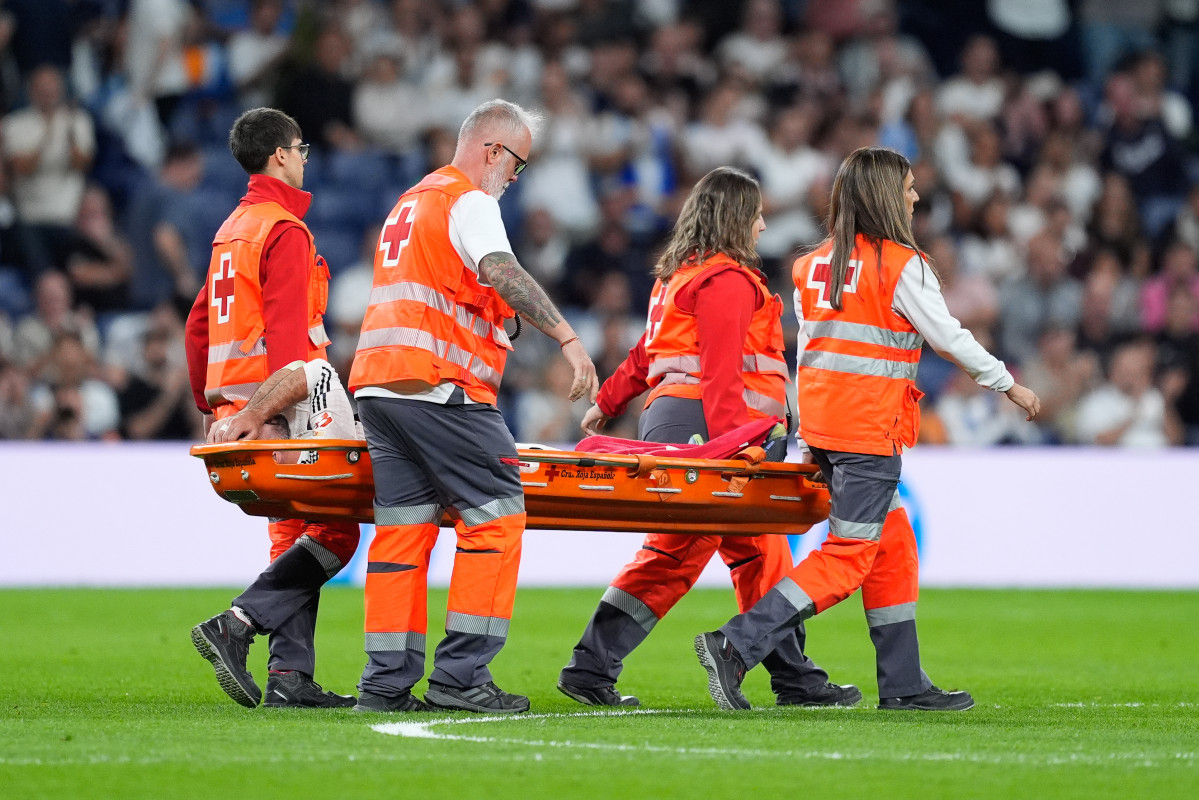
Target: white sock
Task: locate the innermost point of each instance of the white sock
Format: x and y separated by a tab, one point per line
243	616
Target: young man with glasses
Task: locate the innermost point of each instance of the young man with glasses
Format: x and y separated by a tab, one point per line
262	308
425	375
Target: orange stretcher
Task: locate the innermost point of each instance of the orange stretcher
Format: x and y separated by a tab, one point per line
564	490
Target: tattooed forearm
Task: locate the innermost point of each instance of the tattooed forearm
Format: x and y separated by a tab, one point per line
519	290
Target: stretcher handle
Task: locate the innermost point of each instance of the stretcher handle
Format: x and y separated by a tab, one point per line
565	457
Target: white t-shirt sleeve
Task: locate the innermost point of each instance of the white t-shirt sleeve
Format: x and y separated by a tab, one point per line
331	414
918	298
477	229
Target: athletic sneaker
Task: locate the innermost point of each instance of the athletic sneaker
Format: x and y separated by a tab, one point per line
369	701
932	699
225	641
485	699
827	694
294	689
597	696
726	670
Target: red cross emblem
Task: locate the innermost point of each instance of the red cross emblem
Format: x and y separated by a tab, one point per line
552	472
820	276
657	304
222	287
395	233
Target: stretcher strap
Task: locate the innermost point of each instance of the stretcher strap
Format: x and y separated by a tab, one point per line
753	458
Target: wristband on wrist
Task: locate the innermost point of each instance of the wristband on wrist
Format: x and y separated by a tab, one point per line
568	341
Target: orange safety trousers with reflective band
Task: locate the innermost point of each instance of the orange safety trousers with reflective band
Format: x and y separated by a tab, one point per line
339	538
672	344
482	586
887	570
667	566
429	318
237	361
856	379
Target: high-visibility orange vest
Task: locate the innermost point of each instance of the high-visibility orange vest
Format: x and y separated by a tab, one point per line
237	362
429	318
672	343
857	375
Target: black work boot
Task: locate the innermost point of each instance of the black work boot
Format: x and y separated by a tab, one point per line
827	694
225	641
726	670
931	699
294	689
597	696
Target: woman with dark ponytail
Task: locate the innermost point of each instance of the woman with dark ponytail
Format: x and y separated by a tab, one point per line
867	299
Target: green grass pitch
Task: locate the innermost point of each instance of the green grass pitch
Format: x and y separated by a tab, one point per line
1081	694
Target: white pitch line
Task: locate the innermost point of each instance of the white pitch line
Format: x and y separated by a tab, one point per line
424	730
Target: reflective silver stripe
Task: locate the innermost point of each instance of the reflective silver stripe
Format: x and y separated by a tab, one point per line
419	293
683	364
330	562
231	393
761	363
499	507
859	365
458	622
689	365
407	515
796	596
228	352
402	641
889	615
767	405
870	531
317	335
860	332
423	340
674	378
630	605
896	502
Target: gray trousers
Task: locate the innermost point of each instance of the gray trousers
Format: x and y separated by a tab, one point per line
865	507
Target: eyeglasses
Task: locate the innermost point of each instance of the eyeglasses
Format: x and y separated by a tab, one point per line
520	162
303	147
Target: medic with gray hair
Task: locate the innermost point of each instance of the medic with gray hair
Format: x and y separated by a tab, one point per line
425	375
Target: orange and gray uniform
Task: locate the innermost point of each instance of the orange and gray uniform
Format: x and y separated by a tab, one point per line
231	310
858	406
681	403
431	320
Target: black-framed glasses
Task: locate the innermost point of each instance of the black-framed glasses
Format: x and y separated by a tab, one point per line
303	147
520	162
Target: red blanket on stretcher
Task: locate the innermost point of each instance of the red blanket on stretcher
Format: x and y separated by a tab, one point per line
724	446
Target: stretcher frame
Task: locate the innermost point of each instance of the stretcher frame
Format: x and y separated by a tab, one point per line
564	489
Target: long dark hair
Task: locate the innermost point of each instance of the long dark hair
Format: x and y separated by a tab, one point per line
868	199
717	217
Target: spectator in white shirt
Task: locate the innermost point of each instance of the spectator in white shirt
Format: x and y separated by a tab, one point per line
1128	411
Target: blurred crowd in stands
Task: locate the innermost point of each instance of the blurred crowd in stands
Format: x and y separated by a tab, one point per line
1052	141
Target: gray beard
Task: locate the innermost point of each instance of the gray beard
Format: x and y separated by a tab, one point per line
494	183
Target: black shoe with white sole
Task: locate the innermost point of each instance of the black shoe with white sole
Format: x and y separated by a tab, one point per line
225	641
827	694
485	699
597	696
381	703
932	699
296	690
725	669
